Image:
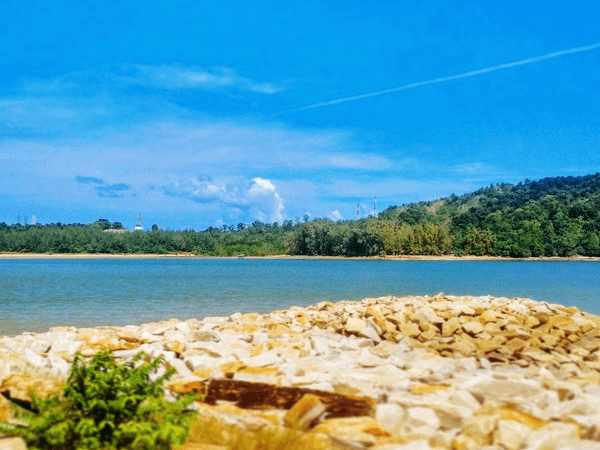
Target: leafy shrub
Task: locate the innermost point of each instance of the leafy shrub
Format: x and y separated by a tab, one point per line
108	406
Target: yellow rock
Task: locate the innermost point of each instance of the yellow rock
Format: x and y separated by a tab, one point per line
250	317
20	386
428	335
489	345
480	428
377	317
428	388
531	321
511	434
451	326
464	346
561	322
514	345
5	412
278	329
508	413
304	412
252	370
257	350
488	316
208	372
231	367
175	346
409	329
472	327
352	430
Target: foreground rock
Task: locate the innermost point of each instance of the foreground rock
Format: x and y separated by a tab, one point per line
439	372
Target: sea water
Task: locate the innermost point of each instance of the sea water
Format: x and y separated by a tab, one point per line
36	294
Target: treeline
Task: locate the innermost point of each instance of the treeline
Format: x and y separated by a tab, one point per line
369	237
258	239
557	216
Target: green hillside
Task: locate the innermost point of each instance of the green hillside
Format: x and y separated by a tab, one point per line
556	216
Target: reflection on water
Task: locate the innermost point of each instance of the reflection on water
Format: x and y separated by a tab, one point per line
38	294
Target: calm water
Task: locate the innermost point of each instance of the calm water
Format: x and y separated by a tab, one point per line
38	294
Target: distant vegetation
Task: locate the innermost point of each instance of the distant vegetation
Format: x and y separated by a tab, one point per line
257	239
558	216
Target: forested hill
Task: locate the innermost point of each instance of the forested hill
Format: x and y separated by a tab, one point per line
558	216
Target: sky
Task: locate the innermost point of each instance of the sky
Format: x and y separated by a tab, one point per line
198	114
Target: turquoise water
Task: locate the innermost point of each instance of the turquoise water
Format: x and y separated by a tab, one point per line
36	294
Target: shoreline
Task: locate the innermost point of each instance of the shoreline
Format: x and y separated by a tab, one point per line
303	257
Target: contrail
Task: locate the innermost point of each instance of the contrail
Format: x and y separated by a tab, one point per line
448	78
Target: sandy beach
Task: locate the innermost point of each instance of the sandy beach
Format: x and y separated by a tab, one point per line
374	258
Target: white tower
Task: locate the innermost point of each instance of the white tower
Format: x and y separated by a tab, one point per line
139	225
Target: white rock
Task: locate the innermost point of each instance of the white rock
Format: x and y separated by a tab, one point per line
428	367
511	434
553	435
422	417
183	370
504	391
263	360
420	444
183	327
584	444
590	425
368	359
202	361
260	338
14	443
391	417
176	335
34	358
320	344
58	366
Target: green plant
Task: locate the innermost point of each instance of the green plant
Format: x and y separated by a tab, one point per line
107	406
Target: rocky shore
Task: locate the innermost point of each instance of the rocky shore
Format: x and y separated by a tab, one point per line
411	373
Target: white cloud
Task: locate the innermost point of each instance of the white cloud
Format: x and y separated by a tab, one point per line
256	200
180	77
335	215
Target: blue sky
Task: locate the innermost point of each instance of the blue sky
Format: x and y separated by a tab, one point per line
196	114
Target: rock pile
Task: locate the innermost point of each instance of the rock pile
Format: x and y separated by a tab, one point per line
442	372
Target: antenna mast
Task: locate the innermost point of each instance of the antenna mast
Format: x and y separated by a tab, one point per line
375	206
